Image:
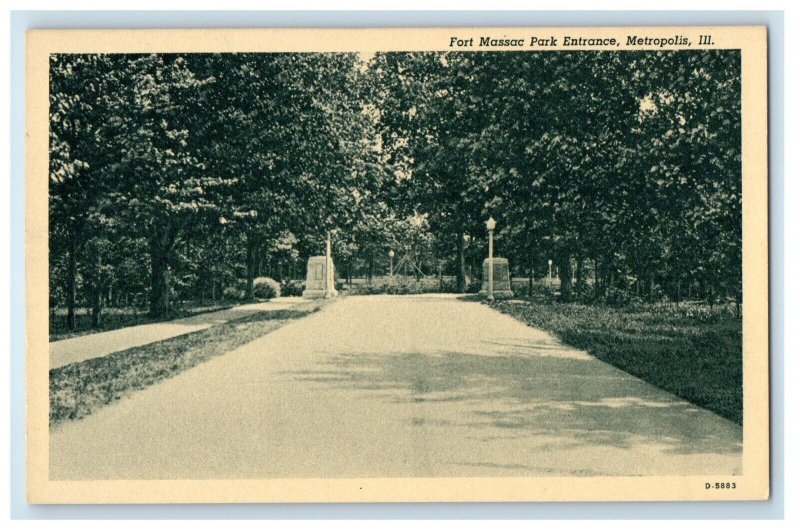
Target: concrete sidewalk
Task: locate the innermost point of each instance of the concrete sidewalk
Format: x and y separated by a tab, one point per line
398	386
77	349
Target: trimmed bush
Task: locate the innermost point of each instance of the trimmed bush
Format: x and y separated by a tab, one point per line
400	284
473	285
520	287
232	293
293	288
266	288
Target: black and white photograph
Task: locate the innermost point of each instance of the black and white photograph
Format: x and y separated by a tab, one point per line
518	255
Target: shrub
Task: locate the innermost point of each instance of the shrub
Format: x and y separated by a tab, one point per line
521	288
293	288
618	297
448	286
376	288
473	285
584	295
232	293
266	288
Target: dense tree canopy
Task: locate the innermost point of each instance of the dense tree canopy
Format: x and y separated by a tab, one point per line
627	161
180	176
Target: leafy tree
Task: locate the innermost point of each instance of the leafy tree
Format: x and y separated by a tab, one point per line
185	175
80	103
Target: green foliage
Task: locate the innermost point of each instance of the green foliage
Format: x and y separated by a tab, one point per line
233	293
211	164
266	288
293	288
407	285
628	161
176	176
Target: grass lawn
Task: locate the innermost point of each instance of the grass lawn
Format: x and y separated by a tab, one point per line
77	390
691	351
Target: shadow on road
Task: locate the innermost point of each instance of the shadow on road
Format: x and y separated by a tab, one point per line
582	401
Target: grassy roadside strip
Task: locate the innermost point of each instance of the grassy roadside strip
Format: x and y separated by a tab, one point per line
693	353
78	389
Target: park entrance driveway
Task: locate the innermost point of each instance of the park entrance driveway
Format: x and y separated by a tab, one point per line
403	386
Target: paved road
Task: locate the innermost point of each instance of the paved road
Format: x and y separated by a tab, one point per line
86	347
397	386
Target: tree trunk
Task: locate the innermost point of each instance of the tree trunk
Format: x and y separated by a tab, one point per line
579	276
159	273
250	256
97	306
565	276
97	295
461	282
596	279
530	280
71	273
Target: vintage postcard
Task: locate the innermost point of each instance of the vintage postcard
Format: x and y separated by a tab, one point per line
357	265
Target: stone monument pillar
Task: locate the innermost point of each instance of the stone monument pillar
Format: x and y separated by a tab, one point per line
319	278
320	275
502	278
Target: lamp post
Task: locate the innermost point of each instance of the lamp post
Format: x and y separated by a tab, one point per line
391	263
549	275
328	247
490	224
330	284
